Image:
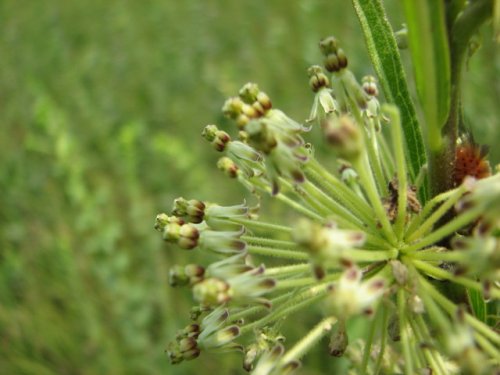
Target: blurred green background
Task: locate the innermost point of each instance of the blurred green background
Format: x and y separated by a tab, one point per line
101	108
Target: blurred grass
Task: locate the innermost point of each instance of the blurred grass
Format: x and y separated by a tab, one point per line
101	107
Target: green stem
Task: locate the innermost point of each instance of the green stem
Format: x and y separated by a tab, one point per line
261	241
467	23
258	308
303	282
287	200
428	208
451	307
437	255
293	304
432	355
267	227
369	342
487	347
397	145
277	253
386	155
285	270
315	210
436	216
383	339
304	345
405	339
339	190
446	230
374	155
342	216
366	178
442	274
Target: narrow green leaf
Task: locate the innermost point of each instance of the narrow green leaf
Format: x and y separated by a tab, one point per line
428	41
386	60
478	305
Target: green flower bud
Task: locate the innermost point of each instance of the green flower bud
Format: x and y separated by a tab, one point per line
177	276
209	132
228	166
212	292
328	45
162	220
345	136
193	209
332	63
248	93
222	338
233	107
264	101
339	342
317	79
402	38
342	58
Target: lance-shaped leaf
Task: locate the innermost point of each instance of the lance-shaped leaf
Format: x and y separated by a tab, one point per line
386	60
428	41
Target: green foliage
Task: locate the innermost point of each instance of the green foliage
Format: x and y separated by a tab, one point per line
385	57
428	42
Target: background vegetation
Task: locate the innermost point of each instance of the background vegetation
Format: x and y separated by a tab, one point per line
101	107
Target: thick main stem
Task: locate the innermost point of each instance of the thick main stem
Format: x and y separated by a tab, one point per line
441	160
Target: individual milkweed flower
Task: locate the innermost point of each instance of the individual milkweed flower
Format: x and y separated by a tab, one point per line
175	230
215	334
210	335
232	281
479	255
193	209
225	242
284	153
347	90
265	340
251	94
187	275
245	157
352	296
344	135
323	103
269	363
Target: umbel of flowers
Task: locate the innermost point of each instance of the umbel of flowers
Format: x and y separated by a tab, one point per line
362	244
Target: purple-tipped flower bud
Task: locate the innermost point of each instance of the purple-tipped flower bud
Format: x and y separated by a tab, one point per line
370	85
228	166
318	78
332	63
264	100
193	209
342	58
339	342
222	337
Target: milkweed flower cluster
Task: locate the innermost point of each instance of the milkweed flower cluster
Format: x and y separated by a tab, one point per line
365	242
